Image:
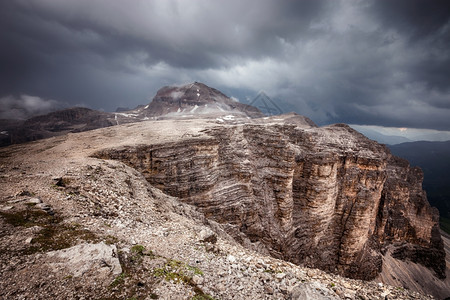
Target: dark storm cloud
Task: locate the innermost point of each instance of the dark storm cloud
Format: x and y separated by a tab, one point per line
361	62
417	19
26	106
93	51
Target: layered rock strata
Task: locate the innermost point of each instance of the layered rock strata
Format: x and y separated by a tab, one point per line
320	197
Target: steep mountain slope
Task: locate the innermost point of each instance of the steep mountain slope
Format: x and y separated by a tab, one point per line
434	159
58	197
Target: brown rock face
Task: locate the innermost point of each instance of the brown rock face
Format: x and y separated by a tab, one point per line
406	219
322	197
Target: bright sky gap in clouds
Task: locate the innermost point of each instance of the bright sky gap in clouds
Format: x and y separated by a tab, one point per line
375	62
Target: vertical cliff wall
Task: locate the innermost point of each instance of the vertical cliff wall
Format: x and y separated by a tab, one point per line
322	197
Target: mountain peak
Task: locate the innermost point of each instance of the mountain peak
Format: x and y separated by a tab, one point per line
196	99
194	93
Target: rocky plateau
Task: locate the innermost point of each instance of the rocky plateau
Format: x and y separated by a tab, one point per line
222	204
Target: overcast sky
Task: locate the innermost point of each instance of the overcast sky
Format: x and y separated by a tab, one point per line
380	62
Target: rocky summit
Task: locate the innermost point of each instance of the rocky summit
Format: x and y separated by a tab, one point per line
215	206
193	100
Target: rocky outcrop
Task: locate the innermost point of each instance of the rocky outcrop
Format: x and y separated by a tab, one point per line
406	219
320	197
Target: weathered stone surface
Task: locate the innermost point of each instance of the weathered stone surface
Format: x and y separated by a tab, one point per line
312	291
100	260
34	201
322	197
208	236
407	220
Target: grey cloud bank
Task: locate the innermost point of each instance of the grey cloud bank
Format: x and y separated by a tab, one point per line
362	62
26	106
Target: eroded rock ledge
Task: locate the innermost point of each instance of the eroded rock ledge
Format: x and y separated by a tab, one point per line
321	197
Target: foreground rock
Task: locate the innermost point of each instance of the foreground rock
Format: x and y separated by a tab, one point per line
100	259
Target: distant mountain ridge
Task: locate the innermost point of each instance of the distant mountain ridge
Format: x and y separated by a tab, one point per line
434	159
188	101
75	119
381	138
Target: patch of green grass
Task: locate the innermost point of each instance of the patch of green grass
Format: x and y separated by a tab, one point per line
138	249
59	236
177	271
28	218
180	272
133	282
54	235
196	270
118	280
138	252
272	271
110	240
176	276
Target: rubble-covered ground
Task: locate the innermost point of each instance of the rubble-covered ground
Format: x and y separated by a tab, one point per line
75	227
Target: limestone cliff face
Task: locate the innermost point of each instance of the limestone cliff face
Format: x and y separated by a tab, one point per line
322	197
407	221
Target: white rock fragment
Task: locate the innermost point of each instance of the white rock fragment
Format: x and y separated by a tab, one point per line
207	235
97	259
312	291
196	279
34	201
231	258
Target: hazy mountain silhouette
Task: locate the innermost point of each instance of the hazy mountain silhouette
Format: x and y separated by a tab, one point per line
434	159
